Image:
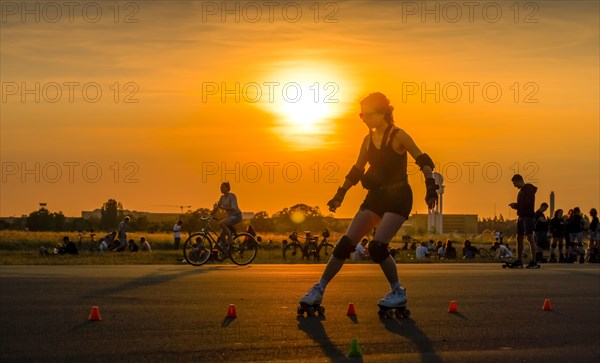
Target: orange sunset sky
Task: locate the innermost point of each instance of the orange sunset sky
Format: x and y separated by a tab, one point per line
156	103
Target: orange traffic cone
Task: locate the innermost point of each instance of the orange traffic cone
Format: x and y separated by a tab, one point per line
547	305
231	311
95	314
453	308
351	310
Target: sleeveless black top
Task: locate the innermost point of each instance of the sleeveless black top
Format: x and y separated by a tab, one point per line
386	167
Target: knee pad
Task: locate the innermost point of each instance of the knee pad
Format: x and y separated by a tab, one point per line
344	248
378	251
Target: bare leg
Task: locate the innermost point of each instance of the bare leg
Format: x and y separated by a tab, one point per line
532	246
226	230
361	224
520	247
390	224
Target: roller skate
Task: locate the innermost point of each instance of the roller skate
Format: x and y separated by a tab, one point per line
393	305
311	302
533	265
514	264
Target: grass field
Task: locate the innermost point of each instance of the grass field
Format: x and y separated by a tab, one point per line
22	248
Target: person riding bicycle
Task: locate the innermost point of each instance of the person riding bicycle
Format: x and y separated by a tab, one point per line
228	202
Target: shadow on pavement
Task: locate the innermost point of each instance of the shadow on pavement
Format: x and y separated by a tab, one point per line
460	316
313	327
155	278
354	318
408	329
228	320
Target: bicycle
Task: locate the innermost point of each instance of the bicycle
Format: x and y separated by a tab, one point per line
82	236
200	246
295	251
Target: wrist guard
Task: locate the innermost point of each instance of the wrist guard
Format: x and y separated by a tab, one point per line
424	160
354	175
338	197
431	189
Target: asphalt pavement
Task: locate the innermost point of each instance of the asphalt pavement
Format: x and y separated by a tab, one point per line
162	313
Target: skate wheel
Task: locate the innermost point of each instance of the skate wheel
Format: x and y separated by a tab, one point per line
390	314
300	310
321	310
406	313
310	311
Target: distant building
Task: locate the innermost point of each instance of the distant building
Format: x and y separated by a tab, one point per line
452	223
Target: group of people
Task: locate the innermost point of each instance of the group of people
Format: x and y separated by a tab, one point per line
534	225
440	250
566	232
67	247
116	241
388	204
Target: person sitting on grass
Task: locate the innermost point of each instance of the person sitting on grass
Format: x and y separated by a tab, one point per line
107	241
67	247
422	251
501	251
132	246
449	251
439	249
469	251
360	253
145	245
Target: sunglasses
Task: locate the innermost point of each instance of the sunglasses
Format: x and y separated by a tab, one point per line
366	115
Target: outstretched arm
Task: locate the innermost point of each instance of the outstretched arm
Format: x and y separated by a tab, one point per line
353	176
216	207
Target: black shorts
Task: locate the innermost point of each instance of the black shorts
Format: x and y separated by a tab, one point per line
398	200
525	225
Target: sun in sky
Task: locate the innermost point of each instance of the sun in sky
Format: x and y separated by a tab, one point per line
305	99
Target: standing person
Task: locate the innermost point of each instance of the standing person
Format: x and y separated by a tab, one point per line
541	232
122	235
388	202
177	233
575	226
557	231
526	216
228	202
594	236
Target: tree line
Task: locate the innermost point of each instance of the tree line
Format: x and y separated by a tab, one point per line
299	218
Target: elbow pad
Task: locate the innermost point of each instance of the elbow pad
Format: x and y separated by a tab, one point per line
354	175
423	160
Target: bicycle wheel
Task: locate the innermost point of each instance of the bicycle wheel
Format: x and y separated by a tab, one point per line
326	250
292	253
486	254
197	249
243	249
